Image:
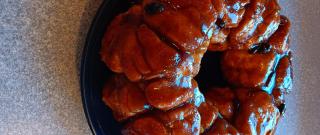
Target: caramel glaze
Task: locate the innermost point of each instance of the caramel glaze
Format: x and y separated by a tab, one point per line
222	127
259	19
257	114
243	69
157	44
184	120
127	99
156	49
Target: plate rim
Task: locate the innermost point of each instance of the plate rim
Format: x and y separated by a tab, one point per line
84	59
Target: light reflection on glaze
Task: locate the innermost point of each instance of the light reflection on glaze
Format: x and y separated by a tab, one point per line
181	116
234	17
253	123
272	81
195	125
198	97
236	6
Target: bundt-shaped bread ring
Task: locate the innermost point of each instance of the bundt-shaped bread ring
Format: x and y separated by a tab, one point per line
156	48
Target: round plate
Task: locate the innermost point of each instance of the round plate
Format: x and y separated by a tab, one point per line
94	72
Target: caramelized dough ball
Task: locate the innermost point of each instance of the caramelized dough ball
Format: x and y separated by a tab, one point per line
184	22
125	98
166	94
162	59
257	114
269	24
147	125
222	98
222	127
114	40
159	38
230	13
281	38
242	69
209	114
163	94
260	20
183	120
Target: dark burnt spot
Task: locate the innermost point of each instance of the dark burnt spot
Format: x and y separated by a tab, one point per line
154	8
220	23
282	108
261	48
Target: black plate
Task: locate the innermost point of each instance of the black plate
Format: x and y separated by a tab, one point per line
94	73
